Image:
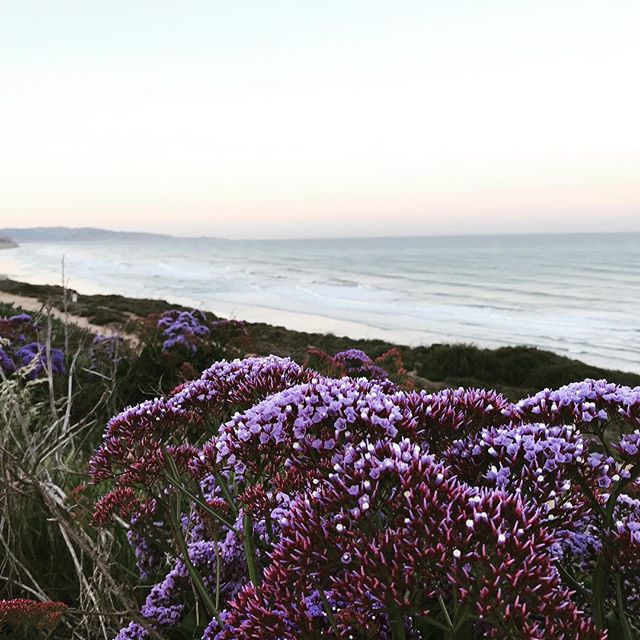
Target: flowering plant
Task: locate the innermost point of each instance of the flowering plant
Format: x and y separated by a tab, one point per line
20	351
270	502
106	352
24	618
183	329
357	364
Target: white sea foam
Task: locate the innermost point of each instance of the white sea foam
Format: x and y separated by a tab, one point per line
577	295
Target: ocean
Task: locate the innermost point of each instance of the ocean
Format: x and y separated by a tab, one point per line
577	295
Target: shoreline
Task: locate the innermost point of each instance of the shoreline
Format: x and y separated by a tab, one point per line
416	295
311	320
515	369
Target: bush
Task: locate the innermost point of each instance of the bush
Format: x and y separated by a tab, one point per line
264	499
524	368
272	502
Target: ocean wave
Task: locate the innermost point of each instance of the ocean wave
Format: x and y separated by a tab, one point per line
574	295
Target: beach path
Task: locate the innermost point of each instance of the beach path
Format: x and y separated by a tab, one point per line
35	305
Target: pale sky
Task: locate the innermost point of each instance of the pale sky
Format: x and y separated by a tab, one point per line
260	118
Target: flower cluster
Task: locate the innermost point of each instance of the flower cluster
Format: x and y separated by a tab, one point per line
7	365
629	447
15	327
132	449
125	502
22	615
591	404
355	363
544	464
392	533
21	352
185	329
146	553
106	352
36	360
12	334
451	414
314	506
304	423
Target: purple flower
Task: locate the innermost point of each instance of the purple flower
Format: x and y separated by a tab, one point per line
7	366
358	364
307	423
34	357
146	552
367	510
165	604
14	328
589	404
183	329
629	447
549	466
133	438
133	631
411	534
105	352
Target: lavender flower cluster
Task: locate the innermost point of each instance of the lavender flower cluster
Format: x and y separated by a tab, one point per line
183	329
106	352
355	363
358	364
316	507
21	352
591	403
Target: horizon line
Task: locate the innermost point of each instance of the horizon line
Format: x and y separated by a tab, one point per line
321	238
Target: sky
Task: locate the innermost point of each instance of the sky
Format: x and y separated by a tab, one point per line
274	118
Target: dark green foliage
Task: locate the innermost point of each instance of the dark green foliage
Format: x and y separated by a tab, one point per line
40	291
154	373
99	315
522	369
123	305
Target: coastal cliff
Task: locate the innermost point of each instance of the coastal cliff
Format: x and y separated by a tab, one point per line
5	243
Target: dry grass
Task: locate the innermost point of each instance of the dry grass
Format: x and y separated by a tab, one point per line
49	551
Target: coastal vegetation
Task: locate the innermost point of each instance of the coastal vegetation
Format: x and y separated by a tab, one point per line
254	482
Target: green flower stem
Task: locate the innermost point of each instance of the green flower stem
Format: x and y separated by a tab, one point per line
461	622
201	503
224	487
196	578
430	622
250	549
327	609
397	626
622	616
602	573
447	618
573	582
218	571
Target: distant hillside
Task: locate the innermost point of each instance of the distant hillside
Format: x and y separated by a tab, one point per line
81	234
5	243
